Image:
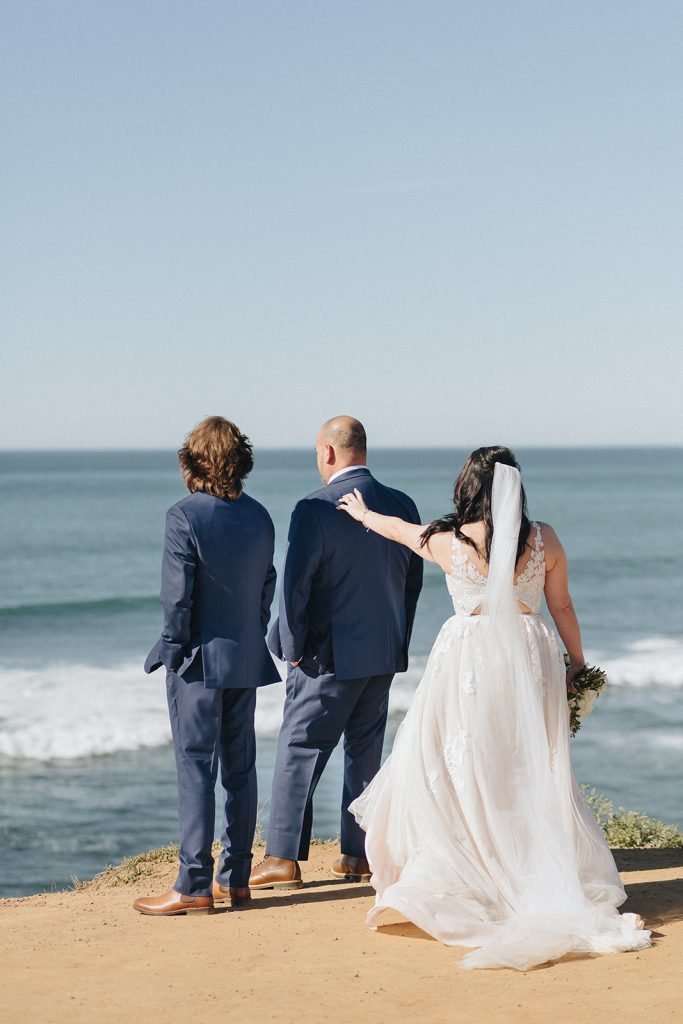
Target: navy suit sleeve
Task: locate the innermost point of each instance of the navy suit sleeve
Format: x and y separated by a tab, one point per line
413	585
177	579
304	554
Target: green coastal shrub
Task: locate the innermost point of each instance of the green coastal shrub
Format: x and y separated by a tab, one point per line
630	830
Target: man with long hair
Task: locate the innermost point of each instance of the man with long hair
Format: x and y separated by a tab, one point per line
217	585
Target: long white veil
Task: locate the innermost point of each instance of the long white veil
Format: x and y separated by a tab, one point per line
530	836
506	509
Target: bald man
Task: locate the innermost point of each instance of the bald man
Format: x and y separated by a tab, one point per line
347	607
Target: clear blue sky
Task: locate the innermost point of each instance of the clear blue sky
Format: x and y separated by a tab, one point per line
460	221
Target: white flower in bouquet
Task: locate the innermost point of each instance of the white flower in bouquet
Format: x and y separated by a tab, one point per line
586	701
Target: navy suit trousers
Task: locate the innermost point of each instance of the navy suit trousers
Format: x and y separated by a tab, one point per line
318	711
211	729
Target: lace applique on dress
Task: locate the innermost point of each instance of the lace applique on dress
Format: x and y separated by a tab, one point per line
529	584
467	585
467	683
454	753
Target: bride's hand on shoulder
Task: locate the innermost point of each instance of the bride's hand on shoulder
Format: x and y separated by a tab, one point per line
353	504
391	527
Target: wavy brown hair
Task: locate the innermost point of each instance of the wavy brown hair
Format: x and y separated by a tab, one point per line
216	458
472	500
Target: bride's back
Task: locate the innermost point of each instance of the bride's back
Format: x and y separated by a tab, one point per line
467	574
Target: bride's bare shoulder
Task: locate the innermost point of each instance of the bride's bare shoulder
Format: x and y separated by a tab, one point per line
440	547
548	533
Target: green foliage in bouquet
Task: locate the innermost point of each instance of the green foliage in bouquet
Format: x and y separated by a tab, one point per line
586	687
630	830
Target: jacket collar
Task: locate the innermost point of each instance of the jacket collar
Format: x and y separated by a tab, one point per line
352	473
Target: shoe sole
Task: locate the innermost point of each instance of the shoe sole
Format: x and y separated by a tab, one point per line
348	877
174	913
226	901
294	884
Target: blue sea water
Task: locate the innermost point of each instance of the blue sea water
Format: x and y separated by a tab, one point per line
86	769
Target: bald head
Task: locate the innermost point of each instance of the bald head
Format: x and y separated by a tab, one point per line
346	434
341	442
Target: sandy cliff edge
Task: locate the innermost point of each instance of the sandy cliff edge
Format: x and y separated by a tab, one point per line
305	956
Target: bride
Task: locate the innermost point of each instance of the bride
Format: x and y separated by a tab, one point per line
476	828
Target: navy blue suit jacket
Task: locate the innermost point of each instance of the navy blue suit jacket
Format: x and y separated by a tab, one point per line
348	596
217	585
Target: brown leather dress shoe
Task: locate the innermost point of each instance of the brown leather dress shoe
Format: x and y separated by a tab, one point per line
353	869
276	873
234	896
173	903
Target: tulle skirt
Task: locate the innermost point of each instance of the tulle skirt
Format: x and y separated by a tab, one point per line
476	829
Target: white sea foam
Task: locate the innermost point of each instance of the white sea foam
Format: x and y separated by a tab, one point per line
63	712
656	660
70	711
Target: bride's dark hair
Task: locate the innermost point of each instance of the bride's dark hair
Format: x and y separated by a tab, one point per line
472	500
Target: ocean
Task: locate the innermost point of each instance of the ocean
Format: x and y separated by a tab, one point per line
86	768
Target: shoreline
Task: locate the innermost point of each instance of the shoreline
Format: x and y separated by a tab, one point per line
305	956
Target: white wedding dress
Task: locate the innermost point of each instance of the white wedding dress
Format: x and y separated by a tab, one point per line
476	829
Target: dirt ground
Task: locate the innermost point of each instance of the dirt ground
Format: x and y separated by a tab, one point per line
306	956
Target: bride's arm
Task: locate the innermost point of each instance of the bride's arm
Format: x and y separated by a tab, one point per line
559	601
394	529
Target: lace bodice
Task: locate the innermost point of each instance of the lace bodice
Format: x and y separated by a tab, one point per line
466	584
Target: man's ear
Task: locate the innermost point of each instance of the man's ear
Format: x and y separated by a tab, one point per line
330	455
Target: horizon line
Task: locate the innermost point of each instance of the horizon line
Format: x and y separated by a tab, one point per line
596	446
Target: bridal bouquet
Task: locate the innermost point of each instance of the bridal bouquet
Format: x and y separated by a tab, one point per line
587	685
